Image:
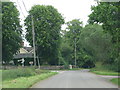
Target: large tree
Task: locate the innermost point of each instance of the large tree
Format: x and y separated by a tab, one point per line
47	23
95	42
11	31
74	28
107	13
66	52
71	37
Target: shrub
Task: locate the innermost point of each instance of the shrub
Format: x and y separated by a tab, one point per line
15	73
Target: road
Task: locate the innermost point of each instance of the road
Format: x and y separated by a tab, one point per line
75	79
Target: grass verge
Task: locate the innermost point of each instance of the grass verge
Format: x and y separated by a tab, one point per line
21	72
26	82
101	69
0	79
116	81
111	73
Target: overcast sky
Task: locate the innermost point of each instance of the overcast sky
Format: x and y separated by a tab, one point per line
70	9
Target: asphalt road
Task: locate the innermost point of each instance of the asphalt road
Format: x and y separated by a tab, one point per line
75	79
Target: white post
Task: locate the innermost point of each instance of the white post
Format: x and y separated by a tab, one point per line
23	62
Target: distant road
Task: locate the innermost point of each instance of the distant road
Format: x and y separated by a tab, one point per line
75	79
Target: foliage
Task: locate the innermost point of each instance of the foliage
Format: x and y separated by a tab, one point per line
21	72
11	31
107	13
47	23
16	73
104	67
93	45
26	82
84	60
95	42
66	53
101	69
116	81
70	37
73	31
106	73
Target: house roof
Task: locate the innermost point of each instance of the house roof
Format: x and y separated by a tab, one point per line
28	48
23	55
28	53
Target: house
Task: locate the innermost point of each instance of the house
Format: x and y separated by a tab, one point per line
23	53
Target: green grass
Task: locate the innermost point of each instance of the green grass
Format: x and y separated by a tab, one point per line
21	72
26	82
23	77
116	81
111	73
15	73
104	70
0	79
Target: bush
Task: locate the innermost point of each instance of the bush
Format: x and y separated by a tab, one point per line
15	73
99	66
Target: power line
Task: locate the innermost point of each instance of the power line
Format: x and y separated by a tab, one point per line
20	9
24	6
33	31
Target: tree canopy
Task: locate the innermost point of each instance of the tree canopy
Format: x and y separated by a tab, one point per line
47	23
95	42
107	14
11	31
69	39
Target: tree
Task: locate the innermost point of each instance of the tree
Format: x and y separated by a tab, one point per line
47	23
68	41
66	52
74	28
85	60
72	36
107	13
11	31
95	42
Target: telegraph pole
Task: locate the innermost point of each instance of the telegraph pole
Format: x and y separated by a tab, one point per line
38	58
33	31
38	62
75	52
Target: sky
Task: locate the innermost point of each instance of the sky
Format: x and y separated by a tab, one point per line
70	9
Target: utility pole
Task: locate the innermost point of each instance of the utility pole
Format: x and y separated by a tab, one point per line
75	52
38	62
38	58
33	31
